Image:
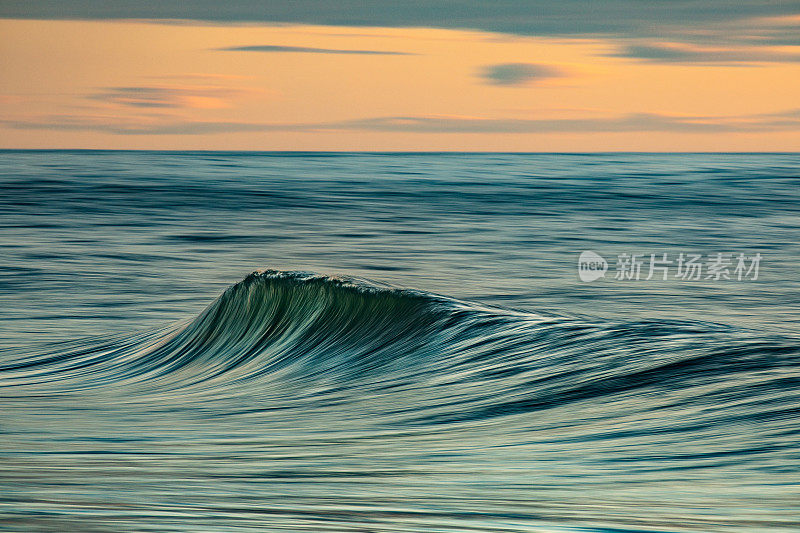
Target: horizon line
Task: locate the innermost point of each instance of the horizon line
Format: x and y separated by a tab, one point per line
397	152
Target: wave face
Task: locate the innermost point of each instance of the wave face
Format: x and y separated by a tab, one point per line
300	402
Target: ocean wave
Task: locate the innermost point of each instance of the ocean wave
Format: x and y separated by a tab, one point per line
312	338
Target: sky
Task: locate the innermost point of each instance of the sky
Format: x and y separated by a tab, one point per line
455	75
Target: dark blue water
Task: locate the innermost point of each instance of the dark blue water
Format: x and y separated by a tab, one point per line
418	352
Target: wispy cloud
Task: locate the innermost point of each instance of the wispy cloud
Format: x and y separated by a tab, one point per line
641	122
189	96
154	124
725	31
700	32
625	123
309	50
202	77
687	54
616	18
644	122
518	74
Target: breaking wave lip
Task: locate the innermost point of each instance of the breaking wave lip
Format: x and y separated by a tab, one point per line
302	339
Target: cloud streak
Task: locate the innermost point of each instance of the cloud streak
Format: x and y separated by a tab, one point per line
518	74
707	32
171	97
308	50
642	122
615	18
679	53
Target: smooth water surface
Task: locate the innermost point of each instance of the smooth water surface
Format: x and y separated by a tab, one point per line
418	352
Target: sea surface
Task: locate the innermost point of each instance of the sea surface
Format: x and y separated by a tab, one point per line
366	342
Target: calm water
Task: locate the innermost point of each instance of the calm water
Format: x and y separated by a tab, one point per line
417	354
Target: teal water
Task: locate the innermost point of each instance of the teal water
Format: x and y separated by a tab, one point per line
415	353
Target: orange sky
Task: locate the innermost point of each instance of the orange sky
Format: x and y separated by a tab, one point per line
152	85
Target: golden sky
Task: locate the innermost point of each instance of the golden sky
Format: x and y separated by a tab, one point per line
145	84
